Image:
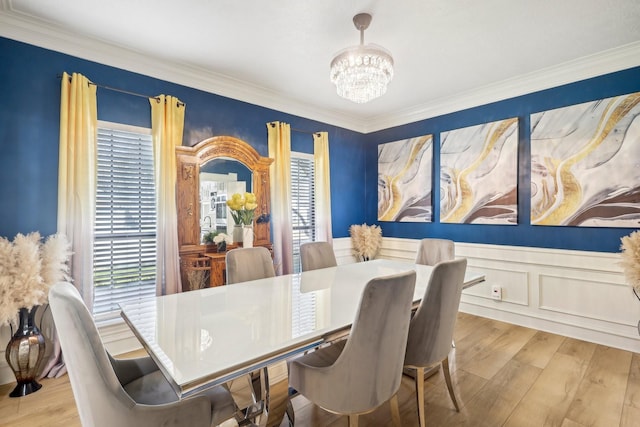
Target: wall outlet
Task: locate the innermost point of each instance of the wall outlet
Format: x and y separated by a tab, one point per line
496	292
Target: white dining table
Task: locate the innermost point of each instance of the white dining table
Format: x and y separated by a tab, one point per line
210	336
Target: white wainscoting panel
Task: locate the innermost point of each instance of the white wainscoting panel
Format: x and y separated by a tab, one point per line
514	285
578	294
572	295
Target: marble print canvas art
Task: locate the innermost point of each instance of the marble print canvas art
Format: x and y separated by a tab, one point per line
585	164
404	180
479	174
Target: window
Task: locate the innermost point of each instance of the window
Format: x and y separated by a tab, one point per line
303	203
124	259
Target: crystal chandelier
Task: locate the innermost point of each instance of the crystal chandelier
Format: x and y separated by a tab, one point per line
361	73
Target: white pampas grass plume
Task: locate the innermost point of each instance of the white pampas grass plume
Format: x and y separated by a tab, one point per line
27	269
631	259
10	294
55	252
366	240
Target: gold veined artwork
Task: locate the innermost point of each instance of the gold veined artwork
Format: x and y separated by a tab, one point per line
478	174
585	162
404	180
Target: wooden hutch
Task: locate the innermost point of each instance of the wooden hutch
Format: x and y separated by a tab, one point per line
193	254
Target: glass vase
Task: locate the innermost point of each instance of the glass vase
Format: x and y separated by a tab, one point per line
24	354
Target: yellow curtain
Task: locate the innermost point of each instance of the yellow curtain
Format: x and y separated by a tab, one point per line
280	170
167	125
76	198
77	176
322	186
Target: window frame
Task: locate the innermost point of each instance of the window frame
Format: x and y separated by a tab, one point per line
148	288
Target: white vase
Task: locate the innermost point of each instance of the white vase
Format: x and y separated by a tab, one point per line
237	233
247	236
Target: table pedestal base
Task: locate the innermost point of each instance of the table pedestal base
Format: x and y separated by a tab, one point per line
262	404
275	393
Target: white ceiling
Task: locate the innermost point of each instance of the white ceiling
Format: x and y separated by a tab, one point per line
449	54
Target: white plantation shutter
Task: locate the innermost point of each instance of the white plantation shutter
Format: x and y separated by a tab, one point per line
303	203
124	260
303	316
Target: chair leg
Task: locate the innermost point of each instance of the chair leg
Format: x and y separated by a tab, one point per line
447	378
353	420
395	411
420	395
291	413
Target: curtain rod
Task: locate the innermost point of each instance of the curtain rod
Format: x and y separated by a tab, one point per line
305	131
273	124
115	89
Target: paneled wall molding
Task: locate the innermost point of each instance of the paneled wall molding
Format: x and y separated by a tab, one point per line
578	294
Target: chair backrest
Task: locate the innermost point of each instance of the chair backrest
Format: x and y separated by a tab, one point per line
315	255
368	372
96	388
244	264
100	398
433	251
431	329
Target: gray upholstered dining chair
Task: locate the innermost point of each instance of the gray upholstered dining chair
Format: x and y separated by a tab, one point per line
356	375
127	392
315	255
244	264
433	251
431	328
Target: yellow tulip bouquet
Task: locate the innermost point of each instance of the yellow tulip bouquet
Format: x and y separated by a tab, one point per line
242	208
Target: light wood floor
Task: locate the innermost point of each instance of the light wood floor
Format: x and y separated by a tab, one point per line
504	375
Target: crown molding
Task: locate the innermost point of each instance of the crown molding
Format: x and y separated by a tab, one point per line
25	28
609	61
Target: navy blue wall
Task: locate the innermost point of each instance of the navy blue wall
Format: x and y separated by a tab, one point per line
29	133
523	234
29	127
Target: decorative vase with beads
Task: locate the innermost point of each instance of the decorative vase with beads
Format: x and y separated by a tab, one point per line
24	353
28	267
